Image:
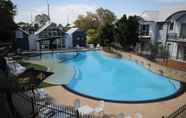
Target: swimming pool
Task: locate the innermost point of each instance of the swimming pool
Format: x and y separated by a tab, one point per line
98	76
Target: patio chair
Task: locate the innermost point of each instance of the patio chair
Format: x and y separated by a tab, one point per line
120	115
128	116
41	94
46	112
100	107
138	115
82	109
77	103
15	68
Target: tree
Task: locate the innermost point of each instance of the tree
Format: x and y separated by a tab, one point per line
92	36
87	22
105	16
132	30
8	7
126	33
41	19
121	31
106	35
7	25
95	20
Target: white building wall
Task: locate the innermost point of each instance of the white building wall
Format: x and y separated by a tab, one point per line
32	42
153	32
68	41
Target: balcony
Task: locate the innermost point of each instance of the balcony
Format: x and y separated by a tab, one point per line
144	36
175	37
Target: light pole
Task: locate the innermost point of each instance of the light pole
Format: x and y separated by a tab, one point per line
48	9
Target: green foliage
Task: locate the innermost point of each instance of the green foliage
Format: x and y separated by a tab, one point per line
41	19
7	25
121	31
154	49
127	32
164	52
95	20
106	35
105	16
92	36
8	7
100	28
158	50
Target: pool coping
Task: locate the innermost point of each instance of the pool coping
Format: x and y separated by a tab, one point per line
178	93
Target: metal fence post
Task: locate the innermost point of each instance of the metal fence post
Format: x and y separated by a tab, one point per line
77	114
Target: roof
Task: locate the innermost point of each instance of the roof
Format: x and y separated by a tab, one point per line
150	15
72	30
23	31
43	28
164	13
167	11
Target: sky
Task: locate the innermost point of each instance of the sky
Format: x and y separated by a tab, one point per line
67	11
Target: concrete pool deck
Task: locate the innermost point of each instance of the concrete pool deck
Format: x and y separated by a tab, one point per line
149	110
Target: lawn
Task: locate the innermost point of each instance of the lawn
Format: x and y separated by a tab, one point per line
37	67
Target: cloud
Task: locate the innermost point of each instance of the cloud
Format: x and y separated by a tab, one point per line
69	13
59	14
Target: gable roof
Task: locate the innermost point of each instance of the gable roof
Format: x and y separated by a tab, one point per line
43	28
23	31
72	30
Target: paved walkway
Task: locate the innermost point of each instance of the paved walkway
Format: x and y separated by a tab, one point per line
174	64
149	110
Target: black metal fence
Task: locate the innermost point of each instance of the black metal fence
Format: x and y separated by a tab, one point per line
180	113
44	109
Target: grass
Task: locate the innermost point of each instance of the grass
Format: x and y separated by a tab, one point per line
37	67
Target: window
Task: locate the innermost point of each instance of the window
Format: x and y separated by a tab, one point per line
144	30
161	27
171	26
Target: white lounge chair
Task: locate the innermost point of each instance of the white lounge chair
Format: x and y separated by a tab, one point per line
138	115
98	46
41	94
86	109
100	107
82	109
15	68
120	115
77	103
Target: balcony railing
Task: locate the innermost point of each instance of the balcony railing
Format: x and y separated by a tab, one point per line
176	37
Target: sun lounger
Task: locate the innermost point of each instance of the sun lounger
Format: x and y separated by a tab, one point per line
77	103
86	109
15	68
82	109
100	107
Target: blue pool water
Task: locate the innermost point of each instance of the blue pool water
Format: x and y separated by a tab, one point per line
99	76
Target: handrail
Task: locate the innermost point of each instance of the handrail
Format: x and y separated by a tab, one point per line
59	110
178	113
52	106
